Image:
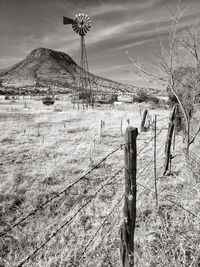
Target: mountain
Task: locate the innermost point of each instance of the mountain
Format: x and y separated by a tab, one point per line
45	69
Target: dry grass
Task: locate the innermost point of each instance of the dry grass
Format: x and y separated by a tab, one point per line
43	151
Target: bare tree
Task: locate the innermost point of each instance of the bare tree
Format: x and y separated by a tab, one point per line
191	41
168	59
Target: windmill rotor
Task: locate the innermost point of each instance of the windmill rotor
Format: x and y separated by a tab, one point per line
81	24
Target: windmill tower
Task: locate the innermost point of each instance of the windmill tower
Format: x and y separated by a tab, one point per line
81	24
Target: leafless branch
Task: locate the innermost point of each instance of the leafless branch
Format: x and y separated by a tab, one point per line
193	139
140	68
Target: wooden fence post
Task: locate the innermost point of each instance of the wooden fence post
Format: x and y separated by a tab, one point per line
155	169
101	128
174	138
38	130
143	120
140	108
121	125
168	156
127	229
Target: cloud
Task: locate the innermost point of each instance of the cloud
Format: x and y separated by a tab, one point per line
111	31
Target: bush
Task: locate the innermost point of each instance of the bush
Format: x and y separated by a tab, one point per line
48	101
107	99
142	96
153	99
7	97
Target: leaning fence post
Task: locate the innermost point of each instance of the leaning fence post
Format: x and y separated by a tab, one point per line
168	156
174	137
127	229
144	120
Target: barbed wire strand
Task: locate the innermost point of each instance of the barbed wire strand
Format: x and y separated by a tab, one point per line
153	124
104	236
161	119
59	194
197	161
150	141
109	260
69	220
173	202
193	172
195	153
198	147
96	233
151	160
124	194
141	193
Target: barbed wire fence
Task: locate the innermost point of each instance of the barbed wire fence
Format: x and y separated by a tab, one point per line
114	211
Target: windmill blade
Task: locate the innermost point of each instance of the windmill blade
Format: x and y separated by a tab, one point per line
67	20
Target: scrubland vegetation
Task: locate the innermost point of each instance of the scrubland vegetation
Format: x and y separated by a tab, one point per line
43	151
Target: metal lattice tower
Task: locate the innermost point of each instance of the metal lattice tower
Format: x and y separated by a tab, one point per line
81	24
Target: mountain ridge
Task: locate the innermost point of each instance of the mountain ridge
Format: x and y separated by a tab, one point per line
44	67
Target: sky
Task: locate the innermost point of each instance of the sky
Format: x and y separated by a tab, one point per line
116	26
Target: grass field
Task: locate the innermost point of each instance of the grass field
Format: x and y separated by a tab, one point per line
44	150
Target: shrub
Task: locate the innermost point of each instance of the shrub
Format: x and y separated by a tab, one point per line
107	99
7	97
48	101
153	99
143	96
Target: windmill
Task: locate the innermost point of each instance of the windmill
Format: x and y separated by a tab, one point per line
81	24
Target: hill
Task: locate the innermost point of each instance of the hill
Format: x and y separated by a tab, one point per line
45	68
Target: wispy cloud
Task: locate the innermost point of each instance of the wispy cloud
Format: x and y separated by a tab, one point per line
111	31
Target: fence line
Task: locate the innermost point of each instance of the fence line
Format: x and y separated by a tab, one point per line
151	161
196	145
104	236
69	220
96	233
151	124
59	194
173	202
197	161
89	200
196	155
150	141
